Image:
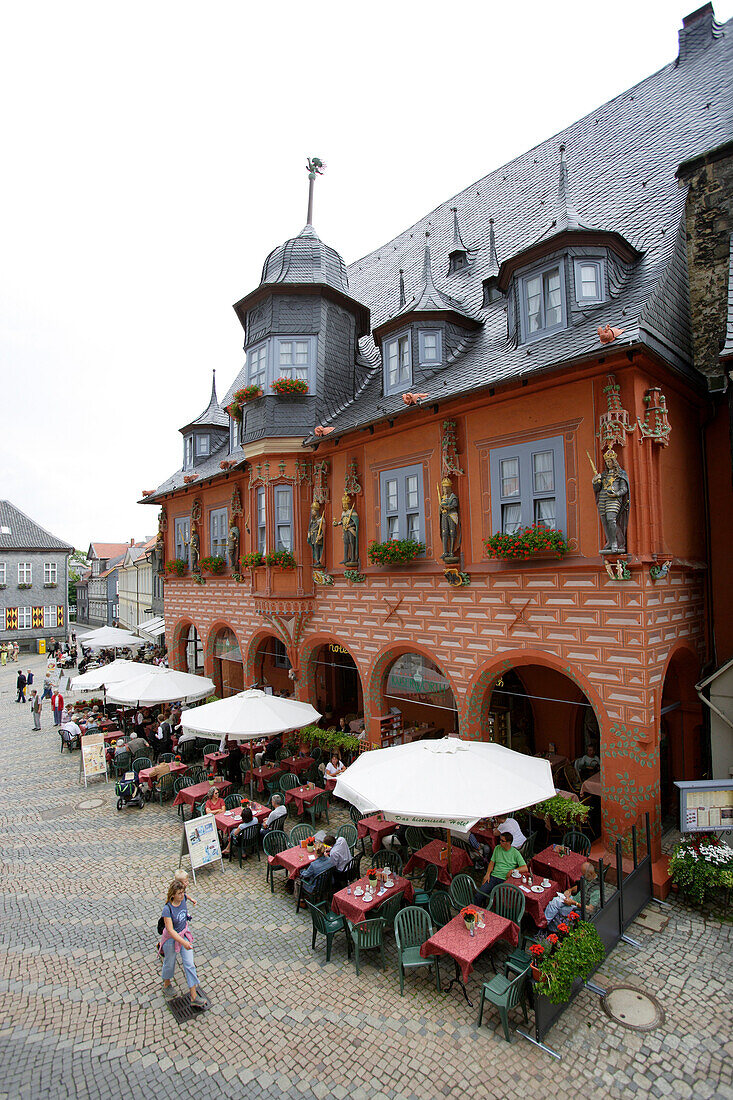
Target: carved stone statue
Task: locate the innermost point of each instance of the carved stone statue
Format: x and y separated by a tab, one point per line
233	546
349	523
195	550
450	523
612	499
315	534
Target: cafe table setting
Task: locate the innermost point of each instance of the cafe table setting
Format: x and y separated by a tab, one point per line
560	864
260	776
230	819
296	765
213	758
464	939
149	775
302	796
189	796
356	900
293	859
538	892
376	827
437	852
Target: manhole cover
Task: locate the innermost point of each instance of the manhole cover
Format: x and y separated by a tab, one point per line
90	804
182	1012
633	1008
58	811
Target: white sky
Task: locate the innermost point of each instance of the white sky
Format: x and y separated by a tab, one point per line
153	153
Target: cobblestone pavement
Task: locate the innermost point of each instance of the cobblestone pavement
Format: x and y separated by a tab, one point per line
83	1014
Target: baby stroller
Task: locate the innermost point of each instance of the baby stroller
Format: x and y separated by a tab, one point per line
128	791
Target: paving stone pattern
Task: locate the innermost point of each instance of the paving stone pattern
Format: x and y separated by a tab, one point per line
83	1014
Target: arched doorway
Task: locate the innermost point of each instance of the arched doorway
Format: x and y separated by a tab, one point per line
415	690
193	652
338	689
684	752
228	673
272	665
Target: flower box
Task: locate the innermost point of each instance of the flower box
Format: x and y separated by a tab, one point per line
289	387
699	863
242	397
176	567
395	552
283	559
25	586
50	584
527	542
213	564
251	561
568	958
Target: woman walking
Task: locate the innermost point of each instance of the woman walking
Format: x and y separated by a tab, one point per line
177	940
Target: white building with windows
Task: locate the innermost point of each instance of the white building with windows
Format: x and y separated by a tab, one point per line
135	585
34	580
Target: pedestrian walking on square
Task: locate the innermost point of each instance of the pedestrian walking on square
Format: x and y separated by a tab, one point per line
36	708
47	687
57	702
29	678
3	655
20	684
176	940
16	651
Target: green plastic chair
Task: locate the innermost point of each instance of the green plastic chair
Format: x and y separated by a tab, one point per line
352	870
505	994
163	788
328	924
318	807
182	781
356	815
233	801
412	928
367	935
389	909
121	764
462	890
430	878
387	858
248	841
197	773
286	783
507	901
273	785
283	754
212	747
349	833
577	842
199	808
140	763
440	909
415	838
528	848
273	842
320	892
166	758
298	833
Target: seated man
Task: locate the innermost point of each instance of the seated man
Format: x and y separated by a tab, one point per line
278	812
510	825
505	859
138	746
319	866
271	750
339	853
558	909
590	762
70	734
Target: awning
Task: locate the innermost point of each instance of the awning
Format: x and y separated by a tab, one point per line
154	627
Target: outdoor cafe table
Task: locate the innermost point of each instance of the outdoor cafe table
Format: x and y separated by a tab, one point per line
174	768
535	903
292	859
356	909
296	765
455	940
592	785
198	792
229	819
261	775
302	797
565	870
215	757
110	735
377	828
437	852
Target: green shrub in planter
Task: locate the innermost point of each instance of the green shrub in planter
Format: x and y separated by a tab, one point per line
563	811
576	954
700	863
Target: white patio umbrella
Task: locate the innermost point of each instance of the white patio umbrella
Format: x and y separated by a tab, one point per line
115	672
448	783
111	637
160	685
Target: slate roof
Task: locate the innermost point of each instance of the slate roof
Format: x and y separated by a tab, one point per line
306	259
24	533
213	415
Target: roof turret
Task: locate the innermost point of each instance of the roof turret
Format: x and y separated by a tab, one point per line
213	415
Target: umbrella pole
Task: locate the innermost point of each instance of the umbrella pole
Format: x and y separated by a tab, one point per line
251	772
449	849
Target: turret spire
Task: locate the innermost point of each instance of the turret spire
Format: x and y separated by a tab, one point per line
315	168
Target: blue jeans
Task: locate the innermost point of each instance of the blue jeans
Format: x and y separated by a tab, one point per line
186	957
483	893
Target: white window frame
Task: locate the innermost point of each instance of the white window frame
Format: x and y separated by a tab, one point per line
50	572
527	495
423	358
391	347
218	522
3	572
203	445
300	345
261	507
25	572
598	263
541	273
257	357
401	517
187	452
50	617
182	545
25	618
235	434
283	495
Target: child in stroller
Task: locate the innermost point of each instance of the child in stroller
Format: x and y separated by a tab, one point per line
128	791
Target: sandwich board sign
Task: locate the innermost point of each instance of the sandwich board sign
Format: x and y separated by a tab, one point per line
202	841
93	756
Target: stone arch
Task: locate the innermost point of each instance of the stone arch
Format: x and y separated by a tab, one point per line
682	747
212	663
253	648
177	646
374	703
309	649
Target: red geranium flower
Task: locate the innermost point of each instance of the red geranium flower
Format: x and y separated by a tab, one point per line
563	927
553	939
537	950
573	917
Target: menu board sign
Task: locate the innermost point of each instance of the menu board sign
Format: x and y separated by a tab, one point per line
707	806
93	756
202	840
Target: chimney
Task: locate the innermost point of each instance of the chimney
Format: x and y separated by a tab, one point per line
698	31
132	542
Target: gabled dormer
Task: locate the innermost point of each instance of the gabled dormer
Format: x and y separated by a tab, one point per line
206	434
425	333
570	268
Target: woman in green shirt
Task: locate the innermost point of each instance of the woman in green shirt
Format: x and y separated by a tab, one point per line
505	860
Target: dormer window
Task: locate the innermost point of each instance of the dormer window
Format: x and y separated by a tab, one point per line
430	347
282	357
203	445
589	281
397	363
188	452
542	301
257	364
293	358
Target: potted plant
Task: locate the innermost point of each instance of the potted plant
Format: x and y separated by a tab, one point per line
395	551
241	397
251	561
176	566
701	863
470	916
49	584
289	387
310	843
575	956
213	564
283	559
372	877
561	811
24	585
537	951
526	543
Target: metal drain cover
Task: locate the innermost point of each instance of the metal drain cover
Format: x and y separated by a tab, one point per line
90	804
633	1008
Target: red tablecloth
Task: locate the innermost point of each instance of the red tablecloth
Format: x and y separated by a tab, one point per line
455	940
356	909
215	757
261	776
302	797
292	859
110	735
485	835
297	764
436	852
377	828
231	818
565	870
329	783
535	904
199	791
592	785
175	769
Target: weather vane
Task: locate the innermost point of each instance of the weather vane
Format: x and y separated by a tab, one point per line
315	168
